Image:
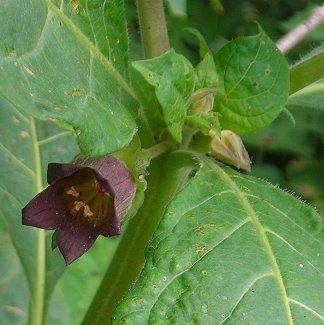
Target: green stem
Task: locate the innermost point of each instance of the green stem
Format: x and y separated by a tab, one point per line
36	316
158	149
153	27
165	179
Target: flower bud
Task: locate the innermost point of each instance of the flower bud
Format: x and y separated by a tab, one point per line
230	149
202	101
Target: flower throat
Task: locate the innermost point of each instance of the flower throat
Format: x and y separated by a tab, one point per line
88	201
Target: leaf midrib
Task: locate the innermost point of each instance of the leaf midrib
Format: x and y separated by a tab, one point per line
91	47
253	218
262	235
37	305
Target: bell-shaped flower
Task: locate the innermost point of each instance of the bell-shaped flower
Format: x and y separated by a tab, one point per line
84	200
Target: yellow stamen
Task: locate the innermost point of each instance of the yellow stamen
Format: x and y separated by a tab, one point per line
72	191
78	205
87	211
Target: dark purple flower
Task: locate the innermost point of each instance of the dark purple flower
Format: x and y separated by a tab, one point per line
84	200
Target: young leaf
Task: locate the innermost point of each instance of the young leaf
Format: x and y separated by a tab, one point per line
203	46
230	248
171	78
206	75
68	64
255	84
26	146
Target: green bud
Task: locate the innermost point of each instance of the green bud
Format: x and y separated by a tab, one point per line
230	149
202	101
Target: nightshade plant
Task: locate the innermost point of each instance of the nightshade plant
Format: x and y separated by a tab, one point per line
159	150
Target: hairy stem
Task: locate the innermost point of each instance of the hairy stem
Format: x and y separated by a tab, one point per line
287	42
153	27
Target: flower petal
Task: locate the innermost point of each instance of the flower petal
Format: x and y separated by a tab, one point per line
113	175
56	171
75	238
46	210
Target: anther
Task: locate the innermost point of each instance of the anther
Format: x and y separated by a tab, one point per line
72	191
78	205
87	211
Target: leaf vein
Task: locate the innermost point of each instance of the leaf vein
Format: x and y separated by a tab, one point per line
245	73
285	215
11	195
17	160
294	249
92	48
296	302
244	292
230	233
262	235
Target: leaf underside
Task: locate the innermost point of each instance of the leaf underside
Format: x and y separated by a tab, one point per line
231	249
18	184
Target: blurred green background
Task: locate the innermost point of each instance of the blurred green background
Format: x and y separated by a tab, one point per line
287	153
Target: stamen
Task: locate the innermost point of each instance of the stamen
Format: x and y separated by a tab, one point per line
106	205
99	214
87	211
90	197
72	191
78	205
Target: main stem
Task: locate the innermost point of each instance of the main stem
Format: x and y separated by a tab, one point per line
153	27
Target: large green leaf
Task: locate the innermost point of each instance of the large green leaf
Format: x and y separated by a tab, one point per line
26	146
255	84
171	78
231	249
68	62
13	288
